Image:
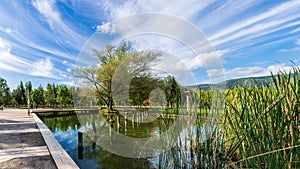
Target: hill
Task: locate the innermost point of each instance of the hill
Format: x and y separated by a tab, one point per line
240	82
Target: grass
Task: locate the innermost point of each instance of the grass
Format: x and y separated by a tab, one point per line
259	128
262	125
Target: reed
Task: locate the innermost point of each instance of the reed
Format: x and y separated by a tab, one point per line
259	128
262	124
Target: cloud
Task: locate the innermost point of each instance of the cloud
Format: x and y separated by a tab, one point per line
255	71
69	65
105	28
64	34
271	14
231	31
297	48
202	60
295	30
46	7
69	83
69	70
289	50
116	10
257	30
4	46
297	42
9	61
64	62
43	68
6	30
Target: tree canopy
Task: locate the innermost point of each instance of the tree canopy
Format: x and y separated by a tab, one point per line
4	91
110	59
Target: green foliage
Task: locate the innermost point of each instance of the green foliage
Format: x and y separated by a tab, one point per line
262	124
238	83
4	92
37	96
50	95
140	89
64	96
23	93
172	91
259	128
205	98
110	59
19	95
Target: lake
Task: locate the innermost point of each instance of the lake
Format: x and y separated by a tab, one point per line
66	127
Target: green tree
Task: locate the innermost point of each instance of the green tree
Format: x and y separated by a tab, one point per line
50	95
19	95
172	91
140	88
4	92
37	96
205	99
63	95
109	61
23	93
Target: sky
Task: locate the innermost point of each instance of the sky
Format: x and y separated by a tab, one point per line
41	40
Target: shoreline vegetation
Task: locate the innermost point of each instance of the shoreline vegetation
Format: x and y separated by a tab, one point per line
254	125
259	128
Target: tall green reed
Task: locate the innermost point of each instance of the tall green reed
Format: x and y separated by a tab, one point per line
261	124
259	128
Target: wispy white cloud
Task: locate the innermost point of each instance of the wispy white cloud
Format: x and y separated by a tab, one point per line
9	61
295	30
297	42
45	68
282	9
290	50
13	63
254	71
116	10
105	28
6	30
45	7
297	48
41	32
258	30
231	31
68	83
64	33
69	70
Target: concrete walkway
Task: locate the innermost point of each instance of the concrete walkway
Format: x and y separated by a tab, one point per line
23	143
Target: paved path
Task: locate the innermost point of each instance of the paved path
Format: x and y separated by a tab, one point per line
25	142
21	143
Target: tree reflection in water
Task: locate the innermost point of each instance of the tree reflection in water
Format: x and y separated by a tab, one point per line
90	155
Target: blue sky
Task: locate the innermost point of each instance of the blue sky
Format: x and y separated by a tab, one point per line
40	40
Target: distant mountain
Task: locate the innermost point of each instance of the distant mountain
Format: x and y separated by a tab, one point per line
241	82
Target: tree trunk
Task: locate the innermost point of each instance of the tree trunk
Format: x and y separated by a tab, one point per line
110	104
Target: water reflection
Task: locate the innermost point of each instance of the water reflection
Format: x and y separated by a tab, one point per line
87	154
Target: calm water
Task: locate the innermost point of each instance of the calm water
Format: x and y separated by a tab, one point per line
66	128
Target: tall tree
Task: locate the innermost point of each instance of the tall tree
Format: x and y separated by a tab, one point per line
109	61
19	94
23	93
63	95
37	96
172	91
50	95
140	88
4	92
